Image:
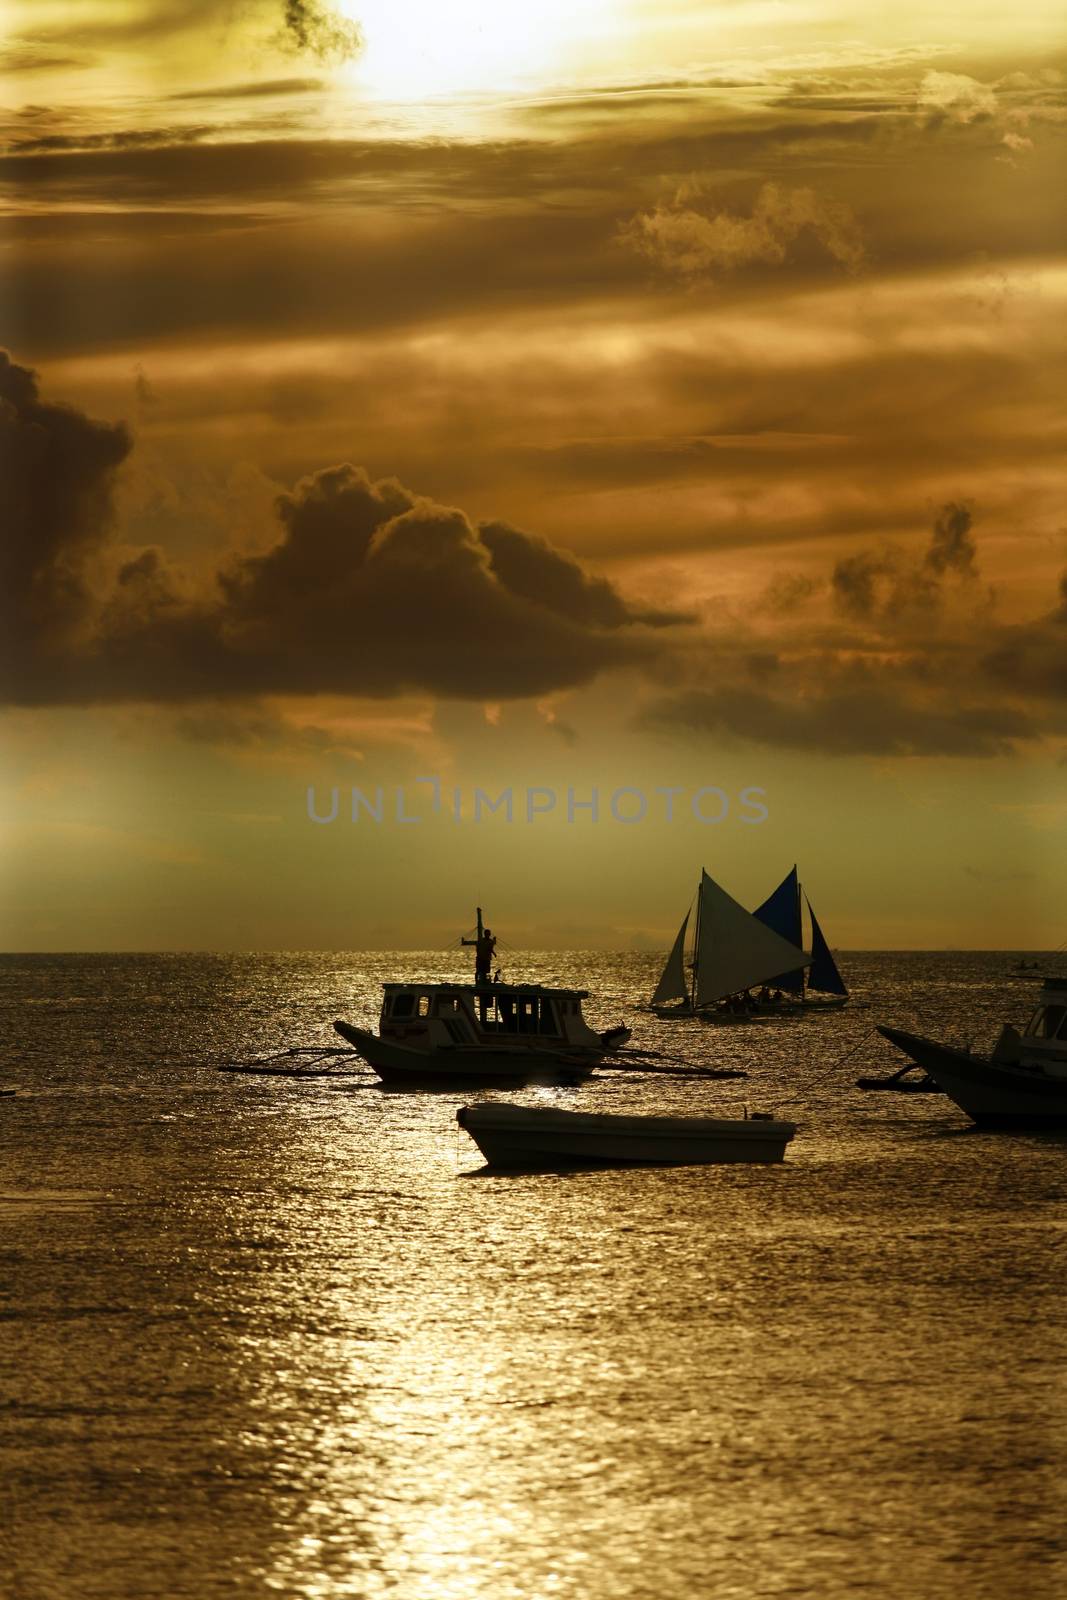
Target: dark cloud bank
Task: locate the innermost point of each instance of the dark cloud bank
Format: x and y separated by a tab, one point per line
936	674
370	589
882	585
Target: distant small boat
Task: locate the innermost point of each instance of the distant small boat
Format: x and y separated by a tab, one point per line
525	1137
732	951
1022	1083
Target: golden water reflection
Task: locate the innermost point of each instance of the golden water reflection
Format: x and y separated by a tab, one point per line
640	1384
299	1353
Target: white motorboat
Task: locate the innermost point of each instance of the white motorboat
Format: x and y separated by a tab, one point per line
527	1137
1021	1083
481	1033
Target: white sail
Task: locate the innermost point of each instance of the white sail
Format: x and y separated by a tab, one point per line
734	949
672	985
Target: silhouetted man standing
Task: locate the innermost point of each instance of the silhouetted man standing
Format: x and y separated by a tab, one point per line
484	950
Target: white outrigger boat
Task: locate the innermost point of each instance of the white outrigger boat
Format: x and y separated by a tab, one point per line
1021	1083
525	1137
488	1032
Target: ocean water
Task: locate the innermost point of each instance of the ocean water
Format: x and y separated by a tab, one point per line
262	1336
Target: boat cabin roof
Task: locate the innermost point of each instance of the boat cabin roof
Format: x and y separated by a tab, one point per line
482	989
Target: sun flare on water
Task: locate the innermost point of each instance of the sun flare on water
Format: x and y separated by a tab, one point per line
422	49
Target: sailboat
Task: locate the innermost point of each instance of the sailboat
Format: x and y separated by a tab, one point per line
782	912
732	950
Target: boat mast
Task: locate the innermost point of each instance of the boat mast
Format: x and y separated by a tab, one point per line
800	925
478	942
696	947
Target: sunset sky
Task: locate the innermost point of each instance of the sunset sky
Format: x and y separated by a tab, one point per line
621	395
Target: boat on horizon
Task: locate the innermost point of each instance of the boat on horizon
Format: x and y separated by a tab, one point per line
1021	1083
732	952
525	1138
482	1033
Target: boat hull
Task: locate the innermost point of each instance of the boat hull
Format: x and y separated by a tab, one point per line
756	1011
458	1067
521	1137
991	1094
787	1010
806	1007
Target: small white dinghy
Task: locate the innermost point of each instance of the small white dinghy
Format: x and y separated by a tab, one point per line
525	1137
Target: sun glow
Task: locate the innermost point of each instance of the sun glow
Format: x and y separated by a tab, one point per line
421	49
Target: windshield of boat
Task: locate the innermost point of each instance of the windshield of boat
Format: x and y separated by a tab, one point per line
407	1005
1048	1022
522	1013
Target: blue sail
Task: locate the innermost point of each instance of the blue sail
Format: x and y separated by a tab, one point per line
781	913
823	975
